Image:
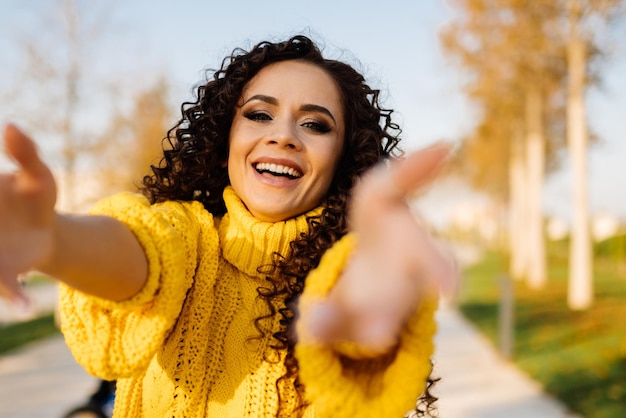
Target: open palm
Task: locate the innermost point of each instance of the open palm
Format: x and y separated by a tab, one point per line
27	199
396	264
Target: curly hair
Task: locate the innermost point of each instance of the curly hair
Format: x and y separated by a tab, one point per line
193	168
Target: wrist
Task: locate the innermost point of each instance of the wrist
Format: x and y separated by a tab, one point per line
48	245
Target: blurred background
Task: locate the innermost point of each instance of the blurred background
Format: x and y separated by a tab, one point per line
532	93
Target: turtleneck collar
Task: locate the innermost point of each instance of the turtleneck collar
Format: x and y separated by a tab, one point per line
249	243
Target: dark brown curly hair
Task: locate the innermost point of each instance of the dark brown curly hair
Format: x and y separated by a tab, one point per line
193	168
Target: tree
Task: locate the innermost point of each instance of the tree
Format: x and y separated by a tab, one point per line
54	70
71	79
581	45
133	140
512	59
546	49
580	289
64	96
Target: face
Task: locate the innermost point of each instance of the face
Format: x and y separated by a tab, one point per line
286	139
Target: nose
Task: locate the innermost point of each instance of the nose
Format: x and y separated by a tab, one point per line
285	135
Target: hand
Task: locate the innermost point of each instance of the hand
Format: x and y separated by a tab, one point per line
396	263
27	199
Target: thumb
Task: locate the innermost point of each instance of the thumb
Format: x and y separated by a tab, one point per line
23	151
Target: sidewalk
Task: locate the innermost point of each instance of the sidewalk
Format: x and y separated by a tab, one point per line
476	382
43	381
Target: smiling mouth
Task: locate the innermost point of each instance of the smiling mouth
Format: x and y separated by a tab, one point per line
277	170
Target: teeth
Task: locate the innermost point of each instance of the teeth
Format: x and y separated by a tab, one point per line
278	169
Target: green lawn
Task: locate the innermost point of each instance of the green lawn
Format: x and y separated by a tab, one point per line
580	357
16	335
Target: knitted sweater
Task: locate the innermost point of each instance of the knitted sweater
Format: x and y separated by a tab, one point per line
186	345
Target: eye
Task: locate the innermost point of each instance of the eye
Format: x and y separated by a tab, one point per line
257	116
319	127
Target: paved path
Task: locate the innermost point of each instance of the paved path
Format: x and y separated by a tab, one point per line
43	381
479	383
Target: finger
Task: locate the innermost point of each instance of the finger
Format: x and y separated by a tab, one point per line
385	185
10	289
23	150
420	168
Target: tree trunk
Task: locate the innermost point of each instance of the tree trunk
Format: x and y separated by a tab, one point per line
580	285
518	213
69	151
535	157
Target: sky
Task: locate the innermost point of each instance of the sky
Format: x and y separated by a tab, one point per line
394	43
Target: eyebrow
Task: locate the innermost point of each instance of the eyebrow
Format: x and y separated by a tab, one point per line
307	107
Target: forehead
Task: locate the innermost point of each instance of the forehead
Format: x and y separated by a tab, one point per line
295	80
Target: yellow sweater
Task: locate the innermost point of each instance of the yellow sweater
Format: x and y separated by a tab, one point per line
185	347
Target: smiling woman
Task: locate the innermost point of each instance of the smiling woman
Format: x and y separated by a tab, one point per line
265	271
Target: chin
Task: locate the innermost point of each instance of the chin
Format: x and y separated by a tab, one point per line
276	215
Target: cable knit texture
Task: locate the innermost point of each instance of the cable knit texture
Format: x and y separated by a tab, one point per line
186	344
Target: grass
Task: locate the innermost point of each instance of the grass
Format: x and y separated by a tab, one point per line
17	335
578	356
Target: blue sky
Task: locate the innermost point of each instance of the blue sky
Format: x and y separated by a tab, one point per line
393	42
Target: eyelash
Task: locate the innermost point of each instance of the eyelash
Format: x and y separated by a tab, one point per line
319	127
257	116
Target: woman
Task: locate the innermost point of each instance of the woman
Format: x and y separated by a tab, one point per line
256	276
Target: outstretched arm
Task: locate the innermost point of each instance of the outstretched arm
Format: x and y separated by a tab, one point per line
95	254
395	264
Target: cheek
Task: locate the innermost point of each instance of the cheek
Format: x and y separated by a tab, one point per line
330	167
236	147
335	157
233	162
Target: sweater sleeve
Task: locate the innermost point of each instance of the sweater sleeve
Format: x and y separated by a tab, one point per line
340	381
118	339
